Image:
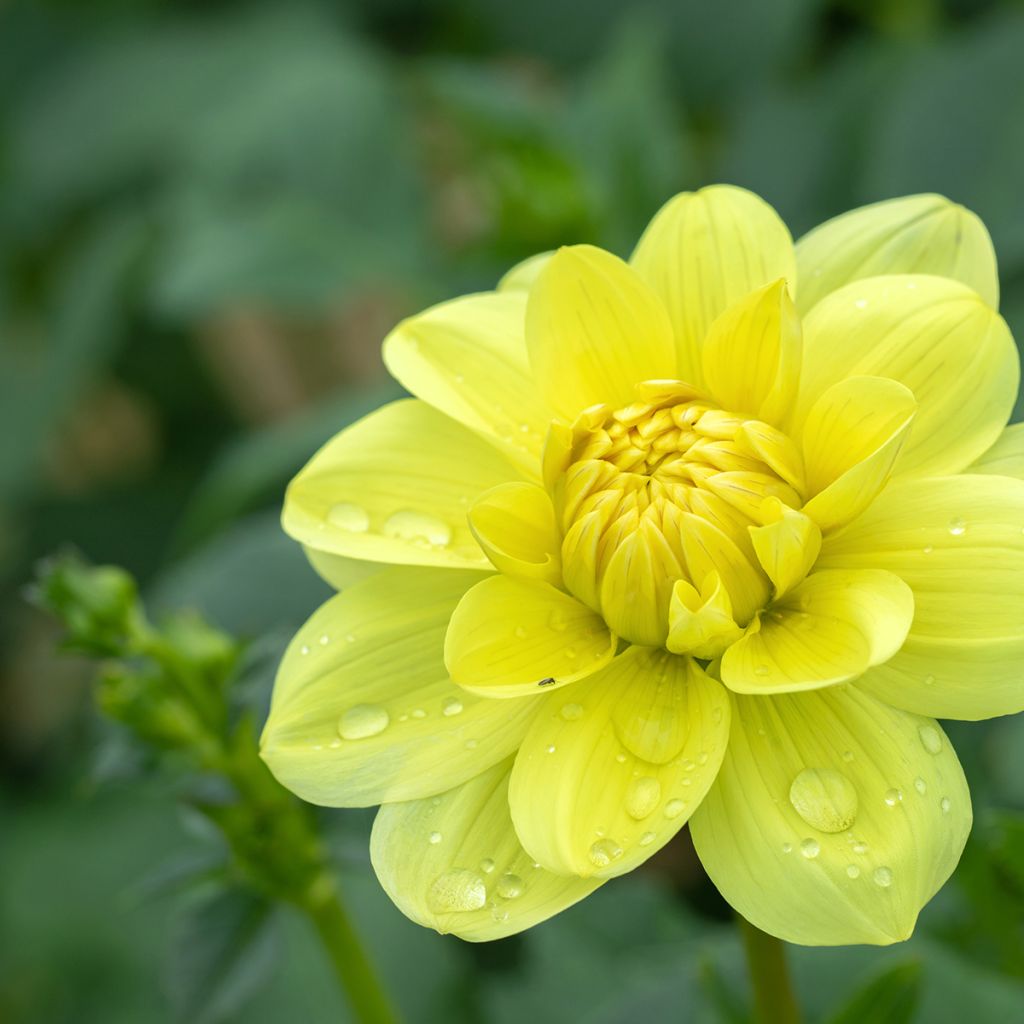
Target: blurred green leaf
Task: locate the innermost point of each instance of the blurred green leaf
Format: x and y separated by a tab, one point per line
224	948
890	998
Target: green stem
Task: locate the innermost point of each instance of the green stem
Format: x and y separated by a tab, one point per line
774	999
349	959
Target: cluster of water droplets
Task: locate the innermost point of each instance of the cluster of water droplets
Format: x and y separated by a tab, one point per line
418	528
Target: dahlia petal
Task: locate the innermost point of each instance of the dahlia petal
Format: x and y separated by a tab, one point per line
1005	457
337	570
524	273
515	526
453	863
834	818
510	637
363	709
935	336
752	354
610	772
594	329
923	234
394	487
701	623
829	629
958	543
852	437
786	546
467	358
703	252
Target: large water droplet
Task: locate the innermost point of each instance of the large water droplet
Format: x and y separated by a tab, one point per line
418	528
603	852
362	721
643	795
824	798
571	712
810	848
883	877
347	516
509	887
457	891
452	706
674	808
931	738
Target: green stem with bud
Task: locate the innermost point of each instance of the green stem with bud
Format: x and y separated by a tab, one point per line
774	998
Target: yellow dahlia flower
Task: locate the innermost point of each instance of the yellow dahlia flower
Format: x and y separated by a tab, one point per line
711	536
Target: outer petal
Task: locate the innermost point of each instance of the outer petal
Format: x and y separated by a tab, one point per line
524	273
830	628
851	439
363	709
834	817
454	863
611	770
925	234
958	543
706	250
338	571
1005	457
752	354
468	359
515	526
594	330
395	487
510	637
933	335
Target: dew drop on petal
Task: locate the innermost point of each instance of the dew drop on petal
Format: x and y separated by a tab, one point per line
603	852
957	527
424	530
761	670
558	621
304	649
893	797
457	891
852	871
647	838
509	887
787	847
825	799
810	848
643	795
324	640
571	712
945	805
487	865
520	632
471	744
452	706
362	721
419	713
347	516
435	838
674	808
920	785
859	846
931	738
882	877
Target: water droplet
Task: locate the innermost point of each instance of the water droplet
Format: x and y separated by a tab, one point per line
847	756
852	871
418	528
861	303
716	716
487	865
457	891
787	847
957	527
761	670
350	638
558	622
452	706
571	712
687	765
551	748
893	796
571	653
929	680
824	798
647	838
931	738
603	852
419	713
435	838
363	721
920	785
347	516
674	808
324	640
859	846
620	757
520	632
471	744
810	848
509	887
304	649
883	877
928	549
643	795
702	758
945	805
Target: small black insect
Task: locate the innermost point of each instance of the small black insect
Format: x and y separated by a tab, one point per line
547	682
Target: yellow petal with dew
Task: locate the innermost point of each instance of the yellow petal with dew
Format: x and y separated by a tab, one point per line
514	524
524	273
585	799
510	637
703	252
395	487
1005	457
363	710
828	629
958	543
786	546
594	329
752	354
924	234
851	440
453	863
467	358
701	623
933	335
834	818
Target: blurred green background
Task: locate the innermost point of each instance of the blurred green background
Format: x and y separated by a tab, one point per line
210	214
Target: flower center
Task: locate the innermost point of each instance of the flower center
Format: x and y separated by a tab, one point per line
655	502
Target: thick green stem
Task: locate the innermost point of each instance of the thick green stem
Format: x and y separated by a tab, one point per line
774	1000
349	959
